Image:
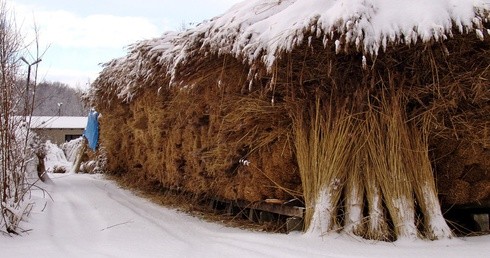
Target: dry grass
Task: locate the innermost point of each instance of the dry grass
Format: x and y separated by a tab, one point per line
354	193
195	139
375	166
370	151
395	182
324	140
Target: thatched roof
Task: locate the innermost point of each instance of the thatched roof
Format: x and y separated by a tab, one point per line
258	31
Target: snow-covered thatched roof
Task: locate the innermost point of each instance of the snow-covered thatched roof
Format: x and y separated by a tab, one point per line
260	30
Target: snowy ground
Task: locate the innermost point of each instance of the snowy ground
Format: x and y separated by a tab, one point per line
90	216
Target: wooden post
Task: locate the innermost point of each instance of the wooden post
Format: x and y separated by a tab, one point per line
294	224
78	160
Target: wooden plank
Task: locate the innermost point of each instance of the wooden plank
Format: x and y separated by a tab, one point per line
281	209
291	211
483	205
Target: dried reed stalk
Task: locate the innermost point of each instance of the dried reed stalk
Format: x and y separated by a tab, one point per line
324	144
387	150
376	165
250	122
303	149
420	172
354	197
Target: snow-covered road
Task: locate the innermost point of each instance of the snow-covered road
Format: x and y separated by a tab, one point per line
92	217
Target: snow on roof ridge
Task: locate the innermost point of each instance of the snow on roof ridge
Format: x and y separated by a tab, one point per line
258	30
58	122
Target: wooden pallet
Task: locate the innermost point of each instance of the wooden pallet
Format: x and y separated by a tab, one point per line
264	211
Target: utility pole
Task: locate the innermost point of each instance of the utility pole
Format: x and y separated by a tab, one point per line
60	104
26	106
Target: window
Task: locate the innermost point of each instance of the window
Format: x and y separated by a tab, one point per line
69	137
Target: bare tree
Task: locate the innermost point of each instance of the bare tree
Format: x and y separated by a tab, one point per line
17	144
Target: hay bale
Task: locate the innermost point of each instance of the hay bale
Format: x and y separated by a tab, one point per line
193	140
449	168
475	173
468	163
470	153
485	160
457	193
481	191
443	147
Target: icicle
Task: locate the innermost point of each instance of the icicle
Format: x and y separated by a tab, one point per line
477	22
364	62
337	46
479	34
325	40
445	50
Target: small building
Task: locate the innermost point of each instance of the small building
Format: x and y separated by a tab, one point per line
58	129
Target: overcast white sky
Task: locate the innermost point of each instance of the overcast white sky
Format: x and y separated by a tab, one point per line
83	34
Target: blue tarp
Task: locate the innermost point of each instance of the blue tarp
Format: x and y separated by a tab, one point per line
92	130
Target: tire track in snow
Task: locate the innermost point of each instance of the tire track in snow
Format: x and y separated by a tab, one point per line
75	217
151	220
93	217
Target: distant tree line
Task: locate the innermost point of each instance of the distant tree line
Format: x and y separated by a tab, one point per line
57	99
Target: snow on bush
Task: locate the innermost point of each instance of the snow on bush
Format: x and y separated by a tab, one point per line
55	160
72	148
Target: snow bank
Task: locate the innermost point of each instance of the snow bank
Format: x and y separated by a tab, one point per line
55	159
92	217
71	148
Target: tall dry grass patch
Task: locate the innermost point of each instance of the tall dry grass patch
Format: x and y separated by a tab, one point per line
395	183
367	171
375	154
398	163
324	141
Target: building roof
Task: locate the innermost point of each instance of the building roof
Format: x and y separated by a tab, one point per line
58	122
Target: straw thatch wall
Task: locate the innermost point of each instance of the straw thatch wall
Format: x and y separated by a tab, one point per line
200	139
365	138
194	138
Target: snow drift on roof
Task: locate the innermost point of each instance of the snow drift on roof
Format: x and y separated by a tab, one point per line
58	122
259	30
